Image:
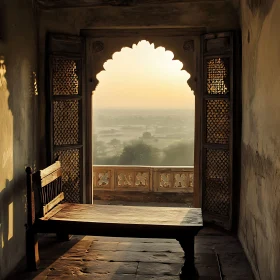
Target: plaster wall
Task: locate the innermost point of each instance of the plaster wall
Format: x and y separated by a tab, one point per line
259	224
18	59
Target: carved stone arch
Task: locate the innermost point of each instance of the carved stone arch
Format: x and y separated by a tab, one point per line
185	45
101	49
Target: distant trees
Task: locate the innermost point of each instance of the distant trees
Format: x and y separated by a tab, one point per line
147	135
115	143
100	148
139	153
180	154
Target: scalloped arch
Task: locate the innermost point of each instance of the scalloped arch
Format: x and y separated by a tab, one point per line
104	51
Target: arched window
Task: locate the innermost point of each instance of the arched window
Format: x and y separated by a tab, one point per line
143	110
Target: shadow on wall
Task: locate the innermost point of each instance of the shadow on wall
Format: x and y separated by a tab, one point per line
6	161
17	125
17	145
15	153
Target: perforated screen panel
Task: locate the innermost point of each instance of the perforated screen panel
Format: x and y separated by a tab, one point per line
217	129
65	79
218	121
217	191
67	101
66	122
71	174
218	77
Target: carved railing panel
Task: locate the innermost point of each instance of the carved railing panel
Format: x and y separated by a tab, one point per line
125	179
139	178
173	179
132	178
102	178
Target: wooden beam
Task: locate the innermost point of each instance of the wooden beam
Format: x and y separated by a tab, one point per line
50	4
192	16
148	31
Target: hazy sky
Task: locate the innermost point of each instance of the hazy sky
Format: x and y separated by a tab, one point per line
143	77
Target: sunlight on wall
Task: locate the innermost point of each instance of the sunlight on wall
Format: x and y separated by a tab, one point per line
6	128
143	77
11	221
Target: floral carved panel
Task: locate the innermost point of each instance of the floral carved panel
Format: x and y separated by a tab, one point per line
103	179
125	180
180	181
165	180
142	179
152	179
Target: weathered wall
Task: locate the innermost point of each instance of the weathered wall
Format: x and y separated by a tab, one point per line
17	145
259	226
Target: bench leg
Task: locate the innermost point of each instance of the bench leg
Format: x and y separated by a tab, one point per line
32	250
60	236
188	271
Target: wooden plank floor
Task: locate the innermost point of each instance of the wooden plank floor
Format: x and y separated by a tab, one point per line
106	258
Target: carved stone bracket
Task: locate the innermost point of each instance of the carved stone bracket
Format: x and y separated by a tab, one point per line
97	46
189	46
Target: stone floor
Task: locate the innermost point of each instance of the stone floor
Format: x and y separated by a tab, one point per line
218	256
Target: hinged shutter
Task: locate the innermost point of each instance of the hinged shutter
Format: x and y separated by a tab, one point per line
217	128
65	112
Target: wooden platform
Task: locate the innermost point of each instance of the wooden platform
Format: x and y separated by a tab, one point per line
119	220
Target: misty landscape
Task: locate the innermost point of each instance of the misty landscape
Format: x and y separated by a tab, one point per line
158	137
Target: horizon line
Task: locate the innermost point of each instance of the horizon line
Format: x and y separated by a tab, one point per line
155	108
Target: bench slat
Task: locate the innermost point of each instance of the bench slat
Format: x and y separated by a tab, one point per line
51	177
53	203
47	171
55	210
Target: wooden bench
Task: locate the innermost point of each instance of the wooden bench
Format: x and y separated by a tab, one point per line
47	214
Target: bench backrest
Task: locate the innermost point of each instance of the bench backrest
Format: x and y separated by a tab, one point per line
44	190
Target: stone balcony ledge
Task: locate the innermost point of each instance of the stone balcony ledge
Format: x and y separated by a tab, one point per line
160	179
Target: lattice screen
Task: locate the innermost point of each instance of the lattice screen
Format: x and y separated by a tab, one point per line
217	76
71	176
217	127
218	121
67	123
217	191
65	78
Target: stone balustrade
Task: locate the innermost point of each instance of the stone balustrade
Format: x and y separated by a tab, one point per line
143	178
